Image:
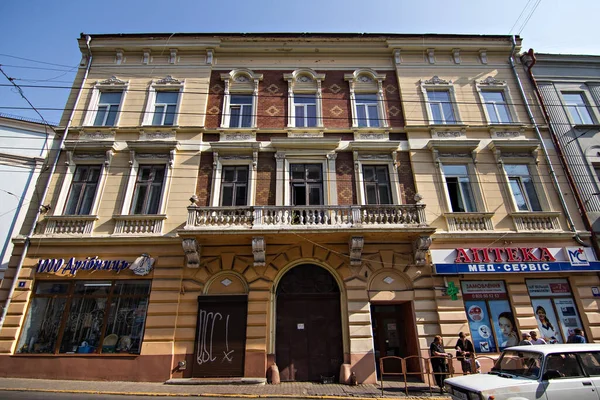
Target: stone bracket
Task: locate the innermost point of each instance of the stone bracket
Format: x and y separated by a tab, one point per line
356	247
259	250
192	251
420	247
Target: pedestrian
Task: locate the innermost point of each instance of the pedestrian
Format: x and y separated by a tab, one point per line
535	339
525	339
577	336
438	361
464	352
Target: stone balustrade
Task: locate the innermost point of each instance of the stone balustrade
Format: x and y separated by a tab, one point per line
138	224
69	224
469	222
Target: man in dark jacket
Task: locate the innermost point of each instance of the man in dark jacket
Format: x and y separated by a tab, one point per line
464	352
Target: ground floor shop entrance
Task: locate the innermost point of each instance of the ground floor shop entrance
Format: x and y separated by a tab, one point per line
308	331
394	335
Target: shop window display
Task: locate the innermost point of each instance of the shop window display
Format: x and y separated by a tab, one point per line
86	317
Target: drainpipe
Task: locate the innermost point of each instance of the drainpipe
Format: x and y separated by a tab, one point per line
544	150
13	285
561	154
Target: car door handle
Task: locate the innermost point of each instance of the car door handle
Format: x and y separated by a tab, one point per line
587	383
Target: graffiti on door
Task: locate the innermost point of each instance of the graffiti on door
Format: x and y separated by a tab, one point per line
207	334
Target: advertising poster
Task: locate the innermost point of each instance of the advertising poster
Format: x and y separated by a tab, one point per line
567	315
546	320
481	328
504	324
548	287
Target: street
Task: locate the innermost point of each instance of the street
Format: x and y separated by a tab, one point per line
28	395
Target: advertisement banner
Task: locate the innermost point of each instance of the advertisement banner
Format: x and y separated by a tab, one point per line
548	287
481	328
567	316
504	324
546	320
483	290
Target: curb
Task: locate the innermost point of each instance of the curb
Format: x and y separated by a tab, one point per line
243	396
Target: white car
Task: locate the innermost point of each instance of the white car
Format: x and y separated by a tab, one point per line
549	372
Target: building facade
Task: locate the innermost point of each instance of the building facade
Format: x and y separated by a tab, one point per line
24	146
226	203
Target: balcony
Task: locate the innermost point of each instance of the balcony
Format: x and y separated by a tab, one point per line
306	217
469	221
69	224
536	221
137	224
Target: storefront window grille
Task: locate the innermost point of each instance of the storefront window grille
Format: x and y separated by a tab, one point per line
86	317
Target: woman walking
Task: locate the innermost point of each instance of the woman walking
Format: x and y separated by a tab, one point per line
438	361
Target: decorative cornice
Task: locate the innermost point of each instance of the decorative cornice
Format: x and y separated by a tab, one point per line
436	80
421	246
113	80
492	81
192	249
168	80
356	246
259	251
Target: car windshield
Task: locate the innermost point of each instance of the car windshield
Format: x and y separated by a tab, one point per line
525	364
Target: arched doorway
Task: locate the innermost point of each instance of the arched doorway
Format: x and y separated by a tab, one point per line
308	344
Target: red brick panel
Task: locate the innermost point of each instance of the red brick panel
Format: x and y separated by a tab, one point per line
406	180
214	108
266	180
335	92
272	100
205	174
345	179
393	106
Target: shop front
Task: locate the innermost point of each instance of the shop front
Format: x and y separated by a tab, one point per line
508	290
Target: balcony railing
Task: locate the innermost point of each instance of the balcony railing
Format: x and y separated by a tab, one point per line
138	224
306	217
69	224
536	221
469	222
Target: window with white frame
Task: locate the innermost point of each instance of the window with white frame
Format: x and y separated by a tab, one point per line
441	102
162	107
240	111
234	185
578	108
376	181
496	101
458	187
148	189
496	107
108	108
106	101
240	100
522	187
440	106
83	190
304	98
367	99
306	182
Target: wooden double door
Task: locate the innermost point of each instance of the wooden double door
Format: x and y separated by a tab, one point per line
308	331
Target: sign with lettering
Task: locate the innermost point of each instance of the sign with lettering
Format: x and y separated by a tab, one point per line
484	290
490	260
141	266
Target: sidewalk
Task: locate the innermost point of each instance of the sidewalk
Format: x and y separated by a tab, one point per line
306	390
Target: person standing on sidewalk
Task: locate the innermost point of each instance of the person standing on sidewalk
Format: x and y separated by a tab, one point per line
464	351
535	339
577	336
438	361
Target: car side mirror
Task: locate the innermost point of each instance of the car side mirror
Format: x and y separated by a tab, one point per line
551	374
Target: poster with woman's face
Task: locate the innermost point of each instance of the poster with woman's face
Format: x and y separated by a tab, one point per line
546	320
481	329
504	324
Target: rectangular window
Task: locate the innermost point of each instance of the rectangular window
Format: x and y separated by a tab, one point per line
555	309
86	317
83	190
459	188
496	107
234	186
108	107
307	184
442	111
578	108
491	320
522	187
305	110
148	189
367	110
377	184
164	108
240	111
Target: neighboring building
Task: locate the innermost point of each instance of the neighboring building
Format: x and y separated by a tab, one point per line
569	86
225	202
24	146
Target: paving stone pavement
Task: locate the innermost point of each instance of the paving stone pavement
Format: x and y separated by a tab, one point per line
293	389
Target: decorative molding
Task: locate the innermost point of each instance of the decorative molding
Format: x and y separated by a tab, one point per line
170	135
231	137
142	265
456	56
119	57
483	56
421	246
374	156
172	56
436	80
397	57
97	135
146	56
331	156
318	134
356	245
259	251
497	134
113	80
431	56
192	250
492	81
457	134
168	80
371	136
209	56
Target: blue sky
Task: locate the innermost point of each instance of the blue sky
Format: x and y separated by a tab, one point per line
46	30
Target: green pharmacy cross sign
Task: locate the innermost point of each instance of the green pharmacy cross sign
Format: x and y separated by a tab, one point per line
452	291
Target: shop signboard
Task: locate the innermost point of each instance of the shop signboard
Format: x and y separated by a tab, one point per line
499	260
69	267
